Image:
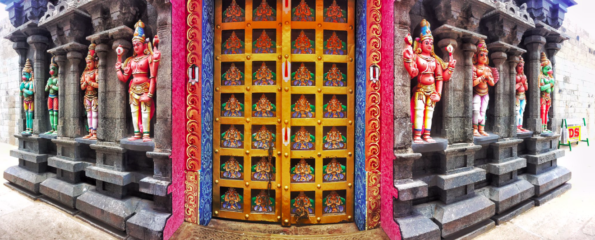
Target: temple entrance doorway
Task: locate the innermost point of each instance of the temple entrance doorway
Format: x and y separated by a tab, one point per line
284	111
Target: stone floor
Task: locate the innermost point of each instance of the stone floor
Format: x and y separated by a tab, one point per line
570	216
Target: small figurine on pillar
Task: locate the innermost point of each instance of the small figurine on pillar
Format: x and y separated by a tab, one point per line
430	70
52	88
546	86
143	66
90	85
27	89
521	87
483	76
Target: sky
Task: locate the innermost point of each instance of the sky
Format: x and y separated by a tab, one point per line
582	15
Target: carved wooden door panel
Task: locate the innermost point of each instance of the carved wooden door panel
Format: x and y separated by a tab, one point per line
284	80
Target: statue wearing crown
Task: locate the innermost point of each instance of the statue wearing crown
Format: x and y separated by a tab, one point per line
142	67
52	87
27	90
483	76
546	86
89	85
430	70
521	87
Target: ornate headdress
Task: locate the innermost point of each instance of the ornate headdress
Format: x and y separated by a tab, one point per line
425	30
481	47
426	33
53	62
28	68
544	60
139	31
91	55
521	61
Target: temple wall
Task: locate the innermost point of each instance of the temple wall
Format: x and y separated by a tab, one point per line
9	88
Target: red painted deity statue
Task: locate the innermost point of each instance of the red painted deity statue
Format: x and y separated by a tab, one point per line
421	62
142	67
483	76
521	88
89	85
546	86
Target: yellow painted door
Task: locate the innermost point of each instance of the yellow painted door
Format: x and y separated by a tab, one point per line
284	100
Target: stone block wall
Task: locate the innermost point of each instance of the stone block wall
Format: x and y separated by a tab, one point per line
10	106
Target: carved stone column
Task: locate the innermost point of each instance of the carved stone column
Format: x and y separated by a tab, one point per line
551	48
101	49
21	47
534	44
513	60
500	97
118	101
61	61
468	50
75	104
39	43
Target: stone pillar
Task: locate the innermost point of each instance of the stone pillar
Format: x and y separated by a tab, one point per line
101	50
534	44
513	60
468	50
448	94
500	94
118	95
551	48
73	86
21	48
39	43
61	61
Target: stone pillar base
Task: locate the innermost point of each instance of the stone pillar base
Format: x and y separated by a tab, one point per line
27	180
63	192
111	211
147	223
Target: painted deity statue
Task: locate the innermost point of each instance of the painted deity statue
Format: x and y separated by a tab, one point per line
262	169
334	46
264	76
232	138
546	86
233	45
302	109
263	108
302	203
334	109
302	12
521	87
264	44
302	77
90	85
335	14
231	169
302	44
234	13
334	77
263	139
302	140
233	107
334	203
263	203
233	76
334	140
334	171
421	62
302	172
264	12
52	88
483	76
143	66
231	200
27	90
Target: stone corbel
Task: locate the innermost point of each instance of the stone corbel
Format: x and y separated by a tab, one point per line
67	26
506	23
15	13
34	9
461	14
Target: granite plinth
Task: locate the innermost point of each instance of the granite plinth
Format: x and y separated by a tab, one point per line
32	143
544	157
85	141
508	196
417	227
70	148
137	145
548	180
542	144
450	181
506	167
28	180
409	189
484	140
110	155
67	165
513	212
111	211
425	147
48	136
147	223
63	192
154	186
523	135
29	156
473	231
540	200
110	176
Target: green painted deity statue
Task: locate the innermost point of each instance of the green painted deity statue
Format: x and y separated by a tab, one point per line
546	86
27	89
52	88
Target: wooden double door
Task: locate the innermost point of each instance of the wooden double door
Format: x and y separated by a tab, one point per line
284	111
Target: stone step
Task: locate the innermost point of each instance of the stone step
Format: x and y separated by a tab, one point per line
417	227
147	223
29	156
63	192
109	176
552	194
111	211
450	181
506	167
508	196
153	186
548	180
544	157
513	212
26	179
68	165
